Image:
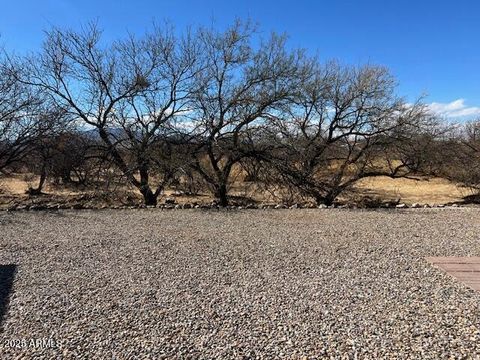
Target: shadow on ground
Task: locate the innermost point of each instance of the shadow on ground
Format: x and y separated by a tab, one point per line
7	275
470	199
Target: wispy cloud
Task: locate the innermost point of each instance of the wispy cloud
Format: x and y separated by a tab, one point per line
454	109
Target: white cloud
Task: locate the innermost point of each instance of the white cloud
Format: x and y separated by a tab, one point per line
454	109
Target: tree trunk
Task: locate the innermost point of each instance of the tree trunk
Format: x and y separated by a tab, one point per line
43	177
221	195
149	197
328	201
38	190
319	200
330	197
66	177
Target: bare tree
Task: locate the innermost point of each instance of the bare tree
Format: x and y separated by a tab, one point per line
211	102
456	155
76	158
49	127
18	103
340	127
128	92
239	85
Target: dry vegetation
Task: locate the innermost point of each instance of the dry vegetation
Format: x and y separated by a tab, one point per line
404	190
199	113
228	120
409	191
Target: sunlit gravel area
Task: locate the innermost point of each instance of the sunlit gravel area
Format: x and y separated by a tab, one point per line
249	284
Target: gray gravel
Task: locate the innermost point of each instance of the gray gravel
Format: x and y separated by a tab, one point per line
267	284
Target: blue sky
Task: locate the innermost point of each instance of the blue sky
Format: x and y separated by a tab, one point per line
431	46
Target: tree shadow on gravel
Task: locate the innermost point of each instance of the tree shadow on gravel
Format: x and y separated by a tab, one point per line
7	275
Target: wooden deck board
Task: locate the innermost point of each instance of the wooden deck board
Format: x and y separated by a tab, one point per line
463	269
454	260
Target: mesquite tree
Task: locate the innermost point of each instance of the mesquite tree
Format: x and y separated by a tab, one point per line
239	85
50	125
207	104
19	105
456	156
340	127
128	92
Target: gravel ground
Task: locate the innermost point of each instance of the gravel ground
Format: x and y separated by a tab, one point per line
294	284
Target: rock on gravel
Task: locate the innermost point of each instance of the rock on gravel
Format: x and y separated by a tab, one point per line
204	284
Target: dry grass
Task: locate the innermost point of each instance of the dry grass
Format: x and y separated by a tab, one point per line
423	190
17	184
